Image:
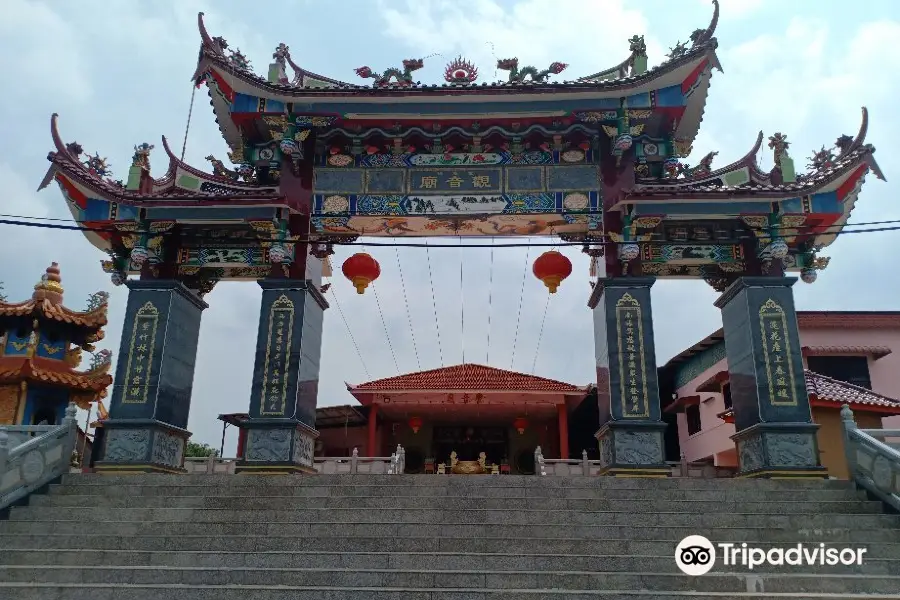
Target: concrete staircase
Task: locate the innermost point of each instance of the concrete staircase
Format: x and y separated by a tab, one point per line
355	537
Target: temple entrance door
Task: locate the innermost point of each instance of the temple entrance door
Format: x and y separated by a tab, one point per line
469	442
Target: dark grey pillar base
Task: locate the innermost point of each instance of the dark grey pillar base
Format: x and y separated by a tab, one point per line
632	448
779	450
142	446
278	446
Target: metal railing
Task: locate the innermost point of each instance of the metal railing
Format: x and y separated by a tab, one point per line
32	456
873	464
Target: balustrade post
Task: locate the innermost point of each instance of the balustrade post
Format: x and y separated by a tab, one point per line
848	424
354	460
585	464
4	450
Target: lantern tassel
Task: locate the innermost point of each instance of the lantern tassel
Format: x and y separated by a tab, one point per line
360	283
552	283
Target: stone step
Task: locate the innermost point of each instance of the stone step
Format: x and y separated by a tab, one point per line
126	490
221	592
441	561
93	540
626	541
338	503
393	522
459	481
715	581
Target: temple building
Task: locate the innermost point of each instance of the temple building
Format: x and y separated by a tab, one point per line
41	345
599	160
849	358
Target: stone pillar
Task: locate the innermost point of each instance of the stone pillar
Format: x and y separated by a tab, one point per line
563	420
775	433
631	432
281	430
372	430
151	397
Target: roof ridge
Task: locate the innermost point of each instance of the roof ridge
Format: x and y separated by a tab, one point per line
852	386
462	367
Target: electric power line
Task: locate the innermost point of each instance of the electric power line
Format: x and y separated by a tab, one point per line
384	324
412	330
487	358
540	335
437	323
512	359
349	332
813	230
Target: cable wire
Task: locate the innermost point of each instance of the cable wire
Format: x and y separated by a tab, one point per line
349	332
519	313
412	330
540	335
384	324
437	323
487	358
462	305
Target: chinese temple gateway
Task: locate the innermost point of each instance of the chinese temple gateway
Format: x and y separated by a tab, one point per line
597	160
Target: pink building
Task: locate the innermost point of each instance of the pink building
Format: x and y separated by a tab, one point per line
850	357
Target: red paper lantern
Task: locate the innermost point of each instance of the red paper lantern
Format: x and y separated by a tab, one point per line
415	423
361	269
551	268
521	424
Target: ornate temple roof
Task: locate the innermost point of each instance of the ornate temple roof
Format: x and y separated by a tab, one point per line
236	92
827	389
46	303
53	372
467	377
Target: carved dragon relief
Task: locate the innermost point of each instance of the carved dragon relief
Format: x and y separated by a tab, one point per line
517	75
402	77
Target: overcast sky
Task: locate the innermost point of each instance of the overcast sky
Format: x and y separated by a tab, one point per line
118	74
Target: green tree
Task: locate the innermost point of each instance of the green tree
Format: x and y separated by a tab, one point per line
198	450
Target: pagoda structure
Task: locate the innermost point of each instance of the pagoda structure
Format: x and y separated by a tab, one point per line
41	345
599	160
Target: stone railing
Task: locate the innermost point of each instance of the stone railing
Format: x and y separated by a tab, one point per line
379	465
590	468
29	462
873	464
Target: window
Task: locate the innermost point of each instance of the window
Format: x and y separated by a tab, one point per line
849	369
726	395
693	419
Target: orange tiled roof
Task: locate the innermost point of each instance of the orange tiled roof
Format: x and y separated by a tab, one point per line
13	370
466	377
848	319
874	351
827	389
94	319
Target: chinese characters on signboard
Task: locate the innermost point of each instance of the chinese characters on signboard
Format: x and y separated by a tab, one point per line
777	354
632	369
140	355
278	351
456	180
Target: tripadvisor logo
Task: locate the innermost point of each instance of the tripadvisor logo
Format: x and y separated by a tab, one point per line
696	555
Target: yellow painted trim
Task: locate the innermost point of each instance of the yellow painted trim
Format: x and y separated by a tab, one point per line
136	469
20	407
780	474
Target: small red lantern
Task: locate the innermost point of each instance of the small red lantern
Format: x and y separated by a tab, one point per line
551	268
415	423
521	424
361	269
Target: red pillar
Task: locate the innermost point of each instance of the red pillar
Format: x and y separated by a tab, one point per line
242	442
373	419
563	417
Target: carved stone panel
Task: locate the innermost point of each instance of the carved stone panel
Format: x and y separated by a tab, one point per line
272	445
750	452
304	447
638	448
127	445
791	449
168	449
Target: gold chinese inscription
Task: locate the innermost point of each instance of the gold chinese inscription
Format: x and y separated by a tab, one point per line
632	366
278	351
140	355
776	347
456	180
